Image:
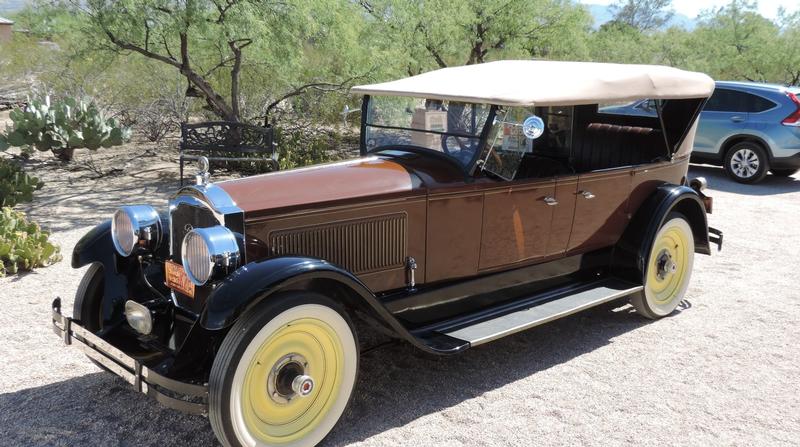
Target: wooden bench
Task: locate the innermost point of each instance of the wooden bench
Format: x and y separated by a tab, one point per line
223	141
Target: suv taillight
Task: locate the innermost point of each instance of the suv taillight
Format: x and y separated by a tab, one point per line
794	118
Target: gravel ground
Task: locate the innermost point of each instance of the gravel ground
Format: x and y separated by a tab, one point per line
723	370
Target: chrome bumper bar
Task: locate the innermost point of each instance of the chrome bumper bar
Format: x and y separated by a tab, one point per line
186	397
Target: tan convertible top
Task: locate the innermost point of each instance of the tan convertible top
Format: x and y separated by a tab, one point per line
547	83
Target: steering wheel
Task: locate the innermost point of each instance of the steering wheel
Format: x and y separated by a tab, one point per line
452	144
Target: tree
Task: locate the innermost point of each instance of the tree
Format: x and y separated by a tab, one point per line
644	15
738	43
457	32
207	41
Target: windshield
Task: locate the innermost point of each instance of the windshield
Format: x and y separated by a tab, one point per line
452	128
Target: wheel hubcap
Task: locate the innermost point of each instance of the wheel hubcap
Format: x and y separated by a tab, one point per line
745	163
668	268
301	365
287	379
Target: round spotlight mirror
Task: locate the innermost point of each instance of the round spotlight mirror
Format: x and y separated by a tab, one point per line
533	127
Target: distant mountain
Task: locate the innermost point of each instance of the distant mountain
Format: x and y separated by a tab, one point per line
603	14
9	6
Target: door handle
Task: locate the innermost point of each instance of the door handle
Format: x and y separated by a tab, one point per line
550	200
737	119
587	195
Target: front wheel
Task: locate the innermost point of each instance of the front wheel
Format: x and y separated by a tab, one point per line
284	373
747	162
669	269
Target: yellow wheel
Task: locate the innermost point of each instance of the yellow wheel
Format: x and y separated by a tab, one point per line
284	374
669	269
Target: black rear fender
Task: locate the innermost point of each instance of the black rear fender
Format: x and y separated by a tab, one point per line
633	250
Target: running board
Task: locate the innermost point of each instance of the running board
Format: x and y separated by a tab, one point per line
516	320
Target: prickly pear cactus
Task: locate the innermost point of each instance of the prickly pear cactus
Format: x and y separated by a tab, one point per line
15	185
23	245
61	127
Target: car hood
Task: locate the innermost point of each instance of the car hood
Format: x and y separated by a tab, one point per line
333	182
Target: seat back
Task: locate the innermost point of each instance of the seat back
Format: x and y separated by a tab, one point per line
604	146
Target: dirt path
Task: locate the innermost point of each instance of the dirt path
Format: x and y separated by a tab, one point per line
723	370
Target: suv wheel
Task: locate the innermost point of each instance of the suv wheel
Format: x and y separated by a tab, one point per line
784	172
747	162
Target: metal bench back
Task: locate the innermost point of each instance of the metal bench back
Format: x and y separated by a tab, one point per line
225	136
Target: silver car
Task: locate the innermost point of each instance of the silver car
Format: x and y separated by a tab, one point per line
750	128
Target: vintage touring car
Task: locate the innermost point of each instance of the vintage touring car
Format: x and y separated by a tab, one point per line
488	199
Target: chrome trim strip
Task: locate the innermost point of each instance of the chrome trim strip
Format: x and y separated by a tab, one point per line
215	199
550	316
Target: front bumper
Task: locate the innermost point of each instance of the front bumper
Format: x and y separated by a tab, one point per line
186	397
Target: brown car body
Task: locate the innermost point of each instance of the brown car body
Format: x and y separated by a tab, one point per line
446	241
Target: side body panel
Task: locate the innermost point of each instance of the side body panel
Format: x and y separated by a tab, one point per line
453	235
371	240
516	223
601	209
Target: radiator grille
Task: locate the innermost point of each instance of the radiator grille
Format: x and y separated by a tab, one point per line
360	246
185	217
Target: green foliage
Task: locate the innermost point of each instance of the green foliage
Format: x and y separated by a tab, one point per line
15	185
298	148
62	125
23	245
643	15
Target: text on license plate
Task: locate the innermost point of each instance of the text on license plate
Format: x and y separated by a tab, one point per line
177	279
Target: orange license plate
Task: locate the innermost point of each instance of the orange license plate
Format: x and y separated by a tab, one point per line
177	279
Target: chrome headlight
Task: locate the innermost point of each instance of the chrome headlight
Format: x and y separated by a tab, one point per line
207	251
135	225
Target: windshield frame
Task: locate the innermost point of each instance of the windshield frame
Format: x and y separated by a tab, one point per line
467	168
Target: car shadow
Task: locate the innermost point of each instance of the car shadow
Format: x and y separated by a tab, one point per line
396	386
718	180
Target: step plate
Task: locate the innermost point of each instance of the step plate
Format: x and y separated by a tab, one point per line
510	323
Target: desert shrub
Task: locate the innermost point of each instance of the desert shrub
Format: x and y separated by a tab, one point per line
61	126
15	185
23	245
304	147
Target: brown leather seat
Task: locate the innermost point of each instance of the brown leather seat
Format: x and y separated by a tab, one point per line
604	146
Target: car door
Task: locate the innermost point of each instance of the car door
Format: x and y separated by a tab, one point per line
516	222
601	209
724	114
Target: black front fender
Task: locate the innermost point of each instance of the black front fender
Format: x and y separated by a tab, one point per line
633	249
96	246
254	282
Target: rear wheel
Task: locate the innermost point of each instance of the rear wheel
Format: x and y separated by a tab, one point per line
284	373
784	172
669	269
747	162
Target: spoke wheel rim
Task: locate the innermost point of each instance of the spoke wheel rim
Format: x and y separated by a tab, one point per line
745	163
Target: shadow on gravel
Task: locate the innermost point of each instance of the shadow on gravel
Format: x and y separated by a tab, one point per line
95	410
396	386
771	185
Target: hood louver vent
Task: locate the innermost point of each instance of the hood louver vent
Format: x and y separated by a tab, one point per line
360	246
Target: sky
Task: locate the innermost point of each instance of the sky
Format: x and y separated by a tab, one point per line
691	8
